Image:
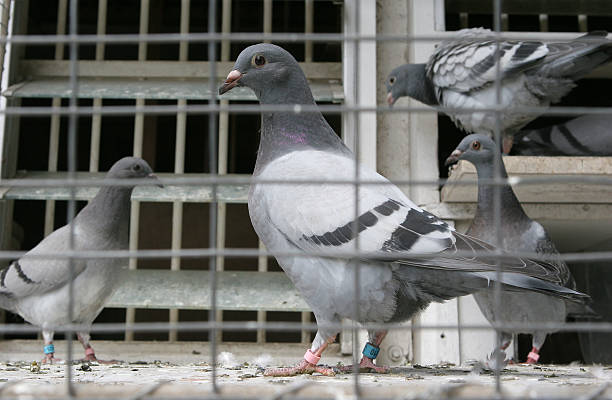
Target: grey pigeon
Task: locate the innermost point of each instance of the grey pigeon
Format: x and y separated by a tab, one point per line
588	135
518	233
37	288
461	73
320	217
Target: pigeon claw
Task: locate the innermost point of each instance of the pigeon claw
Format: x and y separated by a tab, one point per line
367	365
304	367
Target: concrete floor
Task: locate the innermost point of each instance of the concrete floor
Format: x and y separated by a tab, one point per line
183	370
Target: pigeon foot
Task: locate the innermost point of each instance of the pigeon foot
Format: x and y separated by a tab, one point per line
367	365
491	361
304	367
93	358
49	359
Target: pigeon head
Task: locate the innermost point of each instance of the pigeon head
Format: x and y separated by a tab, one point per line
476	148
410	80
272	73
131	168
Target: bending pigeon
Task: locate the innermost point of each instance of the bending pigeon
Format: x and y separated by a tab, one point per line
588	135
37	288
519	233
308	218
461	74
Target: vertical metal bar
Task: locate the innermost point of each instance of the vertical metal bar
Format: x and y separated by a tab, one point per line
308	49
463	20
355	260
262	266
308	28
543	22
583	23
72	165
130	313
212	145
504	22
226	21
267	17
179	165
497	24
96	119
62	10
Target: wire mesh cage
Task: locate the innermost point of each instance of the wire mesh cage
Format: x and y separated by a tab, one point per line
88	82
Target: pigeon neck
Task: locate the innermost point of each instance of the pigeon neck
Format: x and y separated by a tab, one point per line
110	209
286	131
423	89
509	205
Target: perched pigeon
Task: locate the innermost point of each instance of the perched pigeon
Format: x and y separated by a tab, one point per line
461	74
588	135
37	288
320	217
519	233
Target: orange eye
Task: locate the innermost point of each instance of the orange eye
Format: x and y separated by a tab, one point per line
391	80
476	145
259	60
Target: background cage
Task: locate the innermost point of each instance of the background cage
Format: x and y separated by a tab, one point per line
178	73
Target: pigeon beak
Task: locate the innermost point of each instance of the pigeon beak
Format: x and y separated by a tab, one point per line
153	176
390	99
453	158
232	80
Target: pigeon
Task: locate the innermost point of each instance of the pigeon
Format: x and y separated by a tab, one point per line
313	228
37	288
518	233
587	135
461	74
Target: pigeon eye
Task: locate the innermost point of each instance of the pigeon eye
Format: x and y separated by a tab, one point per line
391	80
259	60
476	145
137	167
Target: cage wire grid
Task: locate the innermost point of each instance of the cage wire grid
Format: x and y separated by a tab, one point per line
217	107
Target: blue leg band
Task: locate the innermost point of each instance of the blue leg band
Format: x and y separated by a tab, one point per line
370	351
49	349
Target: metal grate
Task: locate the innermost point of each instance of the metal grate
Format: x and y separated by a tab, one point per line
72	93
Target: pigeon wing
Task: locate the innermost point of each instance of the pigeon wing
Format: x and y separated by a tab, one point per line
29	276
472	61
322	218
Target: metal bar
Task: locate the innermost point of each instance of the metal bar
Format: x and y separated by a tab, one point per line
222	151
262	266
308	51
309	26
130	313
96	119
497	240
267	17
179	165
212	229
583	23
543	19
62	10
72	166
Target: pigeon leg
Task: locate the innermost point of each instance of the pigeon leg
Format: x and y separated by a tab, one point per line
308	365
90	354
507	143
537	341
367	363
490	362
49	349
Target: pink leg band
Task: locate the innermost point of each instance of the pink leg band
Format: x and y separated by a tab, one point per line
311	357
533	356
89	351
